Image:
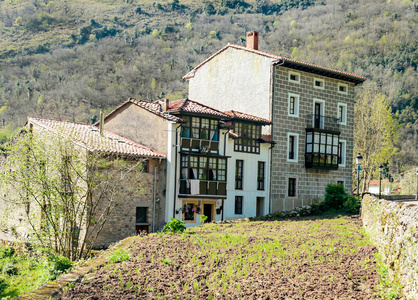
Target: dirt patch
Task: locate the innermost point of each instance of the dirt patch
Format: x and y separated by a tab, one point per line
309	259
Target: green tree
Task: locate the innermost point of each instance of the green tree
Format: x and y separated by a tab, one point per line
375	131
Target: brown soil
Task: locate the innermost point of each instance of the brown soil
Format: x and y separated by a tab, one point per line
308	259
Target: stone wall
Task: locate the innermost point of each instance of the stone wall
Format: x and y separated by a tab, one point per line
393	226
310	183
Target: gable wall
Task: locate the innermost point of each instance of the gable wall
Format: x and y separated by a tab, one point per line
234	80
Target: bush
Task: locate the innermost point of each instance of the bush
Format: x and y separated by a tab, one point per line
352	205
118	256
335	196
175	226
57	265
7	251
9	268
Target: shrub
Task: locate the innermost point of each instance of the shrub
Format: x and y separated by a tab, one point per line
9	268
335	196
7	251
352	205
175	226
118	256
57	265
203	218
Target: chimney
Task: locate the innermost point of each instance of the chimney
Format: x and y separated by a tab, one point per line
252	40
166	104
101	122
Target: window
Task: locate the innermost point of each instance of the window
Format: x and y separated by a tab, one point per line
248	135
319	83
343	88
341	153
294	77
203	168
321	150
141	215
340	182
318	111
189	211
342	113
200	128
260	175
292	147
239	173
291	189
293	104
238	205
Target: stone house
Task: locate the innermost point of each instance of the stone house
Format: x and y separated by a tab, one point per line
311	109
133	212
217	161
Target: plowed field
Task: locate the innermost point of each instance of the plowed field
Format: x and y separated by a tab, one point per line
303	259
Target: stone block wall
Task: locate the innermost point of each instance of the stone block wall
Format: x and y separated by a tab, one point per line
393	227
310	182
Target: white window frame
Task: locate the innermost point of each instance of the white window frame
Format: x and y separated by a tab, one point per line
296	187
296	135
315	100
294	73
343	153
319	87
296	114
344	121
344	85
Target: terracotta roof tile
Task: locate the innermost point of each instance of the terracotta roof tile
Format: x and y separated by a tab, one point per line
267	138
88	136
190	106
246	117
274	57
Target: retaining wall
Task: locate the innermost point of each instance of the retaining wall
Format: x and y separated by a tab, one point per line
393	226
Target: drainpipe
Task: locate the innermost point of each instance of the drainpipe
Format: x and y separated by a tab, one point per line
154	194
223	200
271	157
279	62
175	173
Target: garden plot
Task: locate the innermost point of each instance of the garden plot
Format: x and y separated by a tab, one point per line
303	259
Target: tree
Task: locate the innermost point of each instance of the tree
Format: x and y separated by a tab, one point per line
63	193
375	131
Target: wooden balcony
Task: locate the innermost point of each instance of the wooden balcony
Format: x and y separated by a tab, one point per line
202	187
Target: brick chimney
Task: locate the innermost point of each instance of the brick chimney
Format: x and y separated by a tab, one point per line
252	40
166	104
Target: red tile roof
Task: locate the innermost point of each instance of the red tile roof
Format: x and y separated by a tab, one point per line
190	106
376	182
267	138
276	58
88	136
246	117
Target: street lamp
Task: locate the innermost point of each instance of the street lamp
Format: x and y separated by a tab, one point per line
380	181
359	160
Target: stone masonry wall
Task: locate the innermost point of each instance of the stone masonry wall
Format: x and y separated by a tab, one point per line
310	183
393	227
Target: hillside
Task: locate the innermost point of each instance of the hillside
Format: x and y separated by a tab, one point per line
66	59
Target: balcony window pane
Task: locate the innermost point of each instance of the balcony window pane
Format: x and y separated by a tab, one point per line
323	139
322	149
316	147
316	137
329	149
329	139
309	137
309	148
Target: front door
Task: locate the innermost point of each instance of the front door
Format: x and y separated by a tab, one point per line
207	211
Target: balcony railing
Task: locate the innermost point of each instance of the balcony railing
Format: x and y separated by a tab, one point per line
199	145
202	187
322	122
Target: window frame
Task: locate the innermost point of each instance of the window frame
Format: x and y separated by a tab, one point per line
340	84
239	174
322	86
317	149
183	213
342	152
261	175
296	105
239	199
295	146
187	162
321	113
248	139
189	125
293	179
344	119
296	74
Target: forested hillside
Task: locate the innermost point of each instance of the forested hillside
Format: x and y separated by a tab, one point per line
65	59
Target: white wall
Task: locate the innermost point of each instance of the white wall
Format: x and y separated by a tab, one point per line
223	83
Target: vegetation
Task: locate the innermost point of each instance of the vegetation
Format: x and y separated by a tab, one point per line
23	270
59	58
308	258
118	256
174	226
337	199
62	194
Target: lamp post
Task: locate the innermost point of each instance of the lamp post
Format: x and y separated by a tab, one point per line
380	181
359	160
